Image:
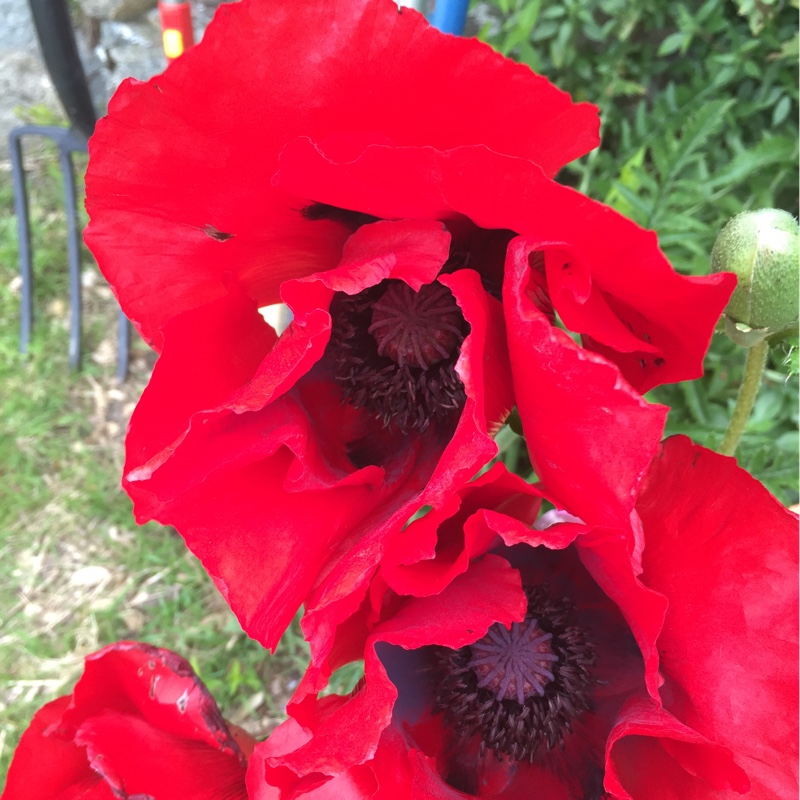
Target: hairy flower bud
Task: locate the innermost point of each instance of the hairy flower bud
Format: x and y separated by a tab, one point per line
761	248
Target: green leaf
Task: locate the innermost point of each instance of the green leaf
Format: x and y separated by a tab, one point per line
672	43
639	207
630	178
781	111
775	150
792	359
699	129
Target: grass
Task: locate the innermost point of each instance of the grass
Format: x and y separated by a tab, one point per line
76	573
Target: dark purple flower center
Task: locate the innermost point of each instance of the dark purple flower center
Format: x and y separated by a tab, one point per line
520	688
515	662
393	352
417	329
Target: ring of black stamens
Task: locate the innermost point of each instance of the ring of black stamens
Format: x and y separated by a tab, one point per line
513	729
409	395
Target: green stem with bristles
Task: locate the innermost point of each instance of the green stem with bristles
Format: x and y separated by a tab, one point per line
751	382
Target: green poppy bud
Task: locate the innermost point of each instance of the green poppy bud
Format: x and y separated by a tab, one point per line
761	249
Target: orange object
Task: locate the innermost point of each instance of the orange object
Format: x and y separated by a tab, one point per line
176	28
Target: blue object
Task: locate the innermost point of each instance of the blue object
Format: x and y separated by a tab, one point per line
449	16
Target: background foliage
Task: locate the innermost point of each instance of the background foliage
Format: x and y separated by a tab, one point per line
699	104
699	108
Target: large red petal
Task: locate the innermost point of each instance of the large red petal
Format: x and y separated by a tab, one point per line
137	759
606	556
357	783
48	767
725	553
154	685
211	353
609	281
489	591
139	723
651	755
591	437
267	543
178	187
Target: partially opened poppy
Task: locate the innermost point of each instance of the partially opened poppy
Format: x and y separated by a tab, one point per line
347	158
139	723
543	666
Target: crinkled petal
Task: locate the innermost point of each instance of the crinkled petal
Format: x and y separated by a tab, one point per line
178	187
592	463
357	783
609	281
154	684
139	723
725	553
427	554
651	755
47	767
135	758
606	556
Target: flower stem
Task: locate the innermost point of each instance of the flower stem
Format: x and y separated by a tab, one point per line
751	382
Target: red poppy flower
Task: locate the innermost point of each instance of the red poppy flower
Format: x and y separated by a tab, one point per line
349	159
139	723
546	666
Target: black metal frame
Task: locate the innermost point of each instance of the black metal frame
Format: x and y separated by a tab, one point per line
60	51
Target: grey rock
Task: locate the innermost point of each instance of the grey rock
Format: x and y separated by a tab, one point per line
117	10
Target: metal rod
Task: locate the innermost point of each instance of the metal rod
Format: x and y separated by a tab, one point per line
123	345
23	237
73	258
60	53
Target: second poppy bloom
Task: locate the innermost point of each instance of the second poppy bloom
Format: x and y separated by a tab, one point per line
509	660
